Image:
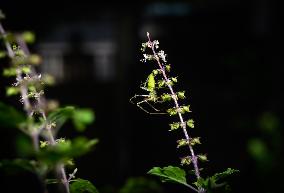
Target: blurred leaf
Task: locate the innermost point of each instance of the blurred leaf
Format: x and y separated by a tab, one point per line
3	54
9	72
141	185
12	91
169	174
268	122
264	158
80	117
257	149
17	165
61	115
24	146
65	150
48	79
28	37
10	117
222	175
83	117
82	186
34	59
213	182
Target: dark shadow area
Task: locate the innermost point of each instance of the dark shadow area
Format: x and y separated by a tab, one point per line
227	58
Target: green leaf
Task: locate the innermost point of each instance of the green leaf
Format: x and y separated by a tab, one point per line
213	182
60	115
10	117
64	150
258	149
18	165
169	174
82	118
83	186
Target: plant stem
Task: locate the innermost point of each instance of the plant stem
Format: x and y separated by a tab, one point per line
173	95
61	170
27	105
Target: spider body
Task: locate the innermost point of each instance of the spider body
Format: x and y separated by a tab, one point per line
149	86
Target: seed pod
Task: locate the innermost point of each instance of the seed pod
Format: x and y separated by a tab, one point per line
168	67
174	126
190	123
166	97
185	160
181	143
181	95
202	157
194	141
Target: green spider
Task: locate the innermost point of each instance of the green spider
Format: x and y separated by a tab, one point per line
149	86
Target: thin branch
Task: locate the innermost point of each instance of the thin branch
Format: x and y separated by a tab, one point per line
183	124
41	105
27	104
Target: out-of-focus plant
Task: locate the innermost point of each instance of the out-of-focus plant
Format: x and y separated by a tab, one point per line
266	151
159	88
41	119
141	185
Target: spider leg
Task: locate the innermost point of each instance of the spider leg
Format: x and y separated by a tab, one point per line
146	101
136	96
151	106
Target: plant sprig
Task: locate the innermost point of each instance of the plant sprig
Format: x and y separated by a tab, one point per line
160	88
42	122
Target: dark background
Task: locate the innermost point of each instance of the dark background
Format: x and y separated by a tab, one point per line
226	54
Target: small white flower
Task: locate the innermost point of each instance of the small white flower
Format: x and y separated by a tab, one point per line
156	44
162	55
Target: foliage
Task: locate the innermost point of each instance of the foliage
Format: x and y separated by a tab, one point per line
82	186
159	86
10	117
141	185
44	152
169	174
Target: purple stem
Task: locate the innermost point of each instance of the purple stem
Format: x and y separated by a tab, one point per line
27	104
173	95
